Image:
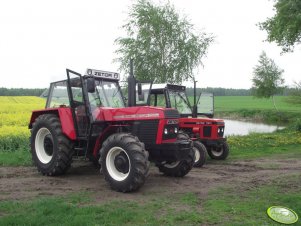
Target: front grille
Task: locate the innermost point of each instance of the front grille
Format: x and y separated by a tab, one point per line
171	113
207	131
146	130
220	131
171	132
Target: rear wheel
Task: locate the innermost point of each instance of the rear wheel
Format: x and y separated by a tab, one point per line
179	168
200	154
124	162
51	150
219	153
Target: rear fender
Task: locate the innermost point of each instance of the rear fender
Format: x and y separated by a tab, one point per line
65	116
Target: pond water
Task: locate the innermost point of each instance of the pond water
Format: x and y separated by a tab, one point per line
235	127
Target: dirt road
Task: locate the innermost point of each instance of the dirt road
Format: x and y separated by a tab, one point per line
18	183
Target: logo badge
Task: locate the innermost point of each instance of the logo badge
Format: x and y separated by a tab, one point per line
172	121
282	215
89	72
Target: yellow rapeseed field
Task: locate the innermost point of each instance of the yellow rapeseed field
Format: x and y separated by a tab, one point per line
15	114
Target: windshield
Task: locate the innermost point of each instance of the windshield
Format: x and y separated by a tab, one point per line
179	101
107	94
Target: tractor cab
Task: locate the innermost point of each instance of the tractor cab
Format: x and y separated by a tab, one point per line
88	94
175	96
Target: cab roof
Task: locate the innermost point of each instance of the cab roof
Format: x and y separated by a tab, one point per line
161	86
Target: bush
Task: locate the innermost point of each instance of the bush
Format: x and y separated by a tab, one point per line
297	125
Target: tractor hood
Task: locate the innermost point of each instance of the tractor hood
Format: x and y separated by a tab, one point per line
134	113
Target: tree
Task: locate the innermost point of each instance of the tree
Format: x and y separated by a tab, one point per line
163	45
20	92
267	78
285	27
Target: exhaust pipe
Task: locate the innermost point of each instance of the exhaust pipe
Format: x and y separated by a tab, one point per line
131	86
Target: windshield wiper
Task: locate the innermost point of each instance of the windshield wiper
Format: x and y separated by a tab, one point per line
184	99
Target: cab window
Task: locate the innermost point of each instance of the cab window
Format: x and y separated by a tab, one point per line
160	102
58	95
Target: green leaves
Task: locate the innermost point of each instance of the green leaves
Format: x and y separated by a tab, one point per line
285	27
267	78
162	44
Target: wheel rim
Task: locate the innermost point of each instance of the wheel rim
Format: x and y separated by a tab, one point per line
197	154
172	164
217	151
118	163
44	145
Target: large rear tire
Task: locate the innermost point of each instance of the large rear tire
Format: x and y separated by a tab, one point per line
179	168
219	153
51	150
200	154
124	162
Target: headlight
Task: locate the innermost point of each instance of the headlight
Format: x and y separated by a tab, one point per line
165	131
176	130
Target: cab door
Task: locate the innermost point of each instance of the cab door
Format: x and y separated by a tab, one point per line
205	104
143	92
78	103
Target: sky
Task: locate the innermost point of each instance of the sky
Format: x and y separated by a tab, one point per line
40	39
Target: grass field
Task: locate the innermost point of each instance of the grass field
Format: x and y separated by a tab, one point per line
235	103
225	205
258	109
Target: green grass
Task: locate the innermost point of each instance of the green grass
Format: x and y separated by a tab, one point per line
76	210
258	145
225	205
15	158
256	108
255	145
234	103
283	151
247	205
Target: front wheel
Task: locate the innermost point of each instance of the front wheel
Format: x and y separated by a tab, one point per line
219	153
182	167
124	162
200	154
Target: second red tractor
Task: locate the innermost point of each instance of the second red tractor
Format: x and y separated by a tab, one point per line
207	133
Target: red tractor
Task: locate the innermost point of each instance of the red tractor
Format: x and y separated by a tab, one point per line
86	116
207	133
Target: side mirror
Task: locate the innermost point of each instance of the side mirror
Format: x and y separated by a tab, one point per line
139	89
90	85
